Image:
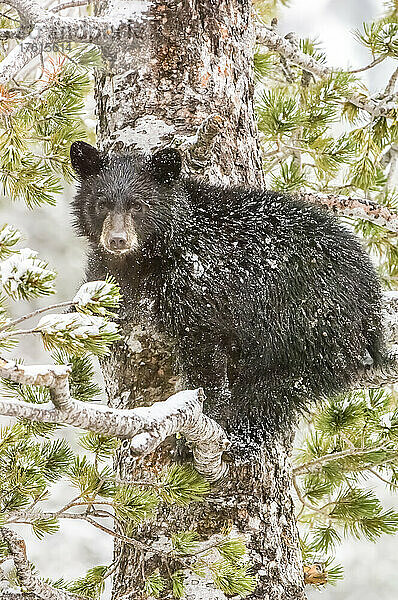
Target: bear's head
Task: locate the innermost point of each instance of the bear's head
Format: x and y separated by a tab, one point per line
122	201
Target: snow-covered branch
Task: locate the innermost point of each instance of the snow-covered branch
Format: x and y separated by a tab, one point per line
47	29
33	584
359	208
29	11
286	47
147	427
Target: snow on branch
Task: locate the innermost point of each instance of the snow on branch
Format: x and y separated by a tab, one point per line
147	427
47	29
29	11
33	584
286	48
358	208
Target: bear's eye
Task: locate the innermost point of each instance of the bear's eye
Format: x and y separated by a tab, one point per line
136	206
102	205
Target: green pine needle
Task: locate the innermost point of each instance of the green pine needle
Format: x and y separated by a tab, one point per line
92	585
325	538
41	527
185	542
232	550
154	584
177	581
133	505
233	579
81	378
182	485
102	446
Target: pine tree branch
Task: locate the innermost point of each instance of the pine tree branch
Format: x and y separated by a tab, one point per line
317	464
390	87
283	46
33	584
377	378
36	313
29	11
29	517
393	165
388	373
146	427
49	29
358	208
390	322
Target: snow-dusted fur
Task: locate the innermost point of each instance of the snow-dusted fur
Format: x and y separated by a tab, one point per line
271	302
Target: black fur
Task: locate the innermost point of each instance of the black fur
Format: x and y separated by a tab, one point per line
257	289
166	165
85	159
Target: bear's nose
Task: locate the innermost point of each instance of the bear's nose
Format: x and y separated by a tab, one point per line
118	241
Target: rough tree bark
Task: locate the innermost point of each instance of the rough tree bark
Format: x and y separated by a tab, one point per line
188	60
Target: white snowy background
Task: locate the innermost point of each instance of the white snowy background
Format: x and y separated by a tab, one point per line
371	570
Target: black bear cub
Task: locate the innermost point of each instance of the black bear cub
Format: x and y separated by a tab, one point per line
270	302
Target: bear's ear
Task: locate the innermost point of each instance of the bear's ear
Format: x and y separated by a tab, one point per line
86	160
166	165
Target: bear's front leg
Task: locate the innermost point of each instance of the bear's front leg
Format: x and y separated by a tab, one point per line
204	363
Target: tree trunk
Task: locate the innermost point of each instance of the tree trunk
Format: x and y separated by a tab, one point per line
187	60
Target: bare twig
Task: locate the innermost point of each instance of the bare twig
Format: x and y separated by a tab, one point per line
35	313
391	83
28	517
9	334
7	16
374	62
390	323
393	165
390	483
